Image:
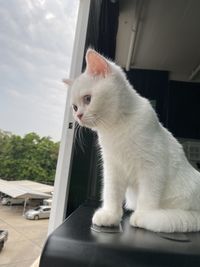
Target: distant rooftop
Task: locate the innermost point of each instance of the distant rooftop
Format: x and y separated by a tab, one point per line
25	189
34	185
3	132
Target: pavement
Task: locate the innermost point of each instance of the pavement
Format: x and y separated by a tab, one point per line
25	237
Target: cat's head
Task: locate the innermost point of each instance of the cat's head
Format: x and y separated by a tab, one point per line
97	94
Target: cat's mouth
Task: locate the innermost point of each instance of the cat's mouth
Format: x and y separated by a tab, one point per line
88	124
88	121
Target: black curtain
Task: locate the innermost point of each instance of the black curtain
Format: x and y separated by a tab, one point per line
102	27
184	109
153	85
108	26
85	175
177	103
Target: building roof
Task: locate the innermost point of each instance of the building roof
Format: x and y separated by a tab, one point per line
22	190
34	185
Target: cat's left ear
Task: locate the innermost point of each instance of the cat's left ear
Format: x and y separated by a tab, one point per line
67	82
96	64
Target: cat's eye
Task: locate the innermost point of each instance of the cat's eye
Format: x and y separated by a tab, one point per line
87	99
75	108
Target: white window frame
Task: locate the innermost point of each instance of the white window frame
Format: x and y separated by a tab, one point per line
61	185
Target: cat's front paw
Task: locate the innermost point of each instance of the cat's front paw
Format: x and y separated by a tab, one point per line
103	217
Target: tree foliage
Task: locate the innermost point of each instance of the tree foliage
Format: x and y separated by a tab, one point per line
30	157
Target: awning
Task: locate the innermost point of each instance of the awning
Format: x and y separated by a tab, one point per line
43	188
19	191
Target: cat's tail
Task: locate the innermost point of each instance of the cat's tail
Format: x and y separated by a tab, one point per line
168	221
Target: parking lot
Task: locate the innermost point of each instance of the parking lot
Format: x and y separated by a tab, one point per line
25	238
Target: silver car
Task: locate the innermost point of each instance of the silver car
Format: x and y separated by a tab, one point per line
38	213
12	201
3	238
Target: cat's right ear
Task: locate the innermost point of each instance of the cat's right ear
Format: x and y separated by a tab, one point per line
67	82
96	64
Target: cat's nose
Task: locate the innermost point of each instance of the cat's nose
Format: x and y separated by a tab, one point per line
80	116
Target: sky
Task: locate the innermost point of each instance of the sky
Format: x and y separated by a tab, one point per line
36	42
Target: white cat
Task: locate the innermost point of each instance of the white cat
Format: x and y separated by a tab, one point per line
143	163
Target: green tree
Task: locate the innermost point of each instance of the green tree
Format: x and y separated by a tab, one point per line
30	157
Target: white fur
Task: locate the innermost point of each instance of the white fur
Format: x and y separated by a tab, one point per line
141	159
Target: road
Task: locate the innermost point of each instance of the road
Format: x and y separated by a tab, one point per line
26	237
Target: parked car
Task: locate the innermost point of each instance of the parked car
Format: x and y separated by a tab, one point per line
12	201
3	238
47	202
39	212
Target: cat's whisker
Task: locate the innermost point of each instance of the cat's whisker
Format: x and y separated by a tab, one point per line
103	123
78	135
76	131
90	119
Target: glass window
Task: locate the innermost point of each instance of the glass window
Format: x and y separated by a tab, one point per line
36	41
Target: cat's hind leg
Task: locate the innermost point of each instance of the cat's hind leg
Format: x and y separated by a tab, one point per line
150	188
168	221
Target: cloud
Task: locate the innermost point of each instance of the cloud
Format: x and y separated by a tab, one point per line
36	39
49	16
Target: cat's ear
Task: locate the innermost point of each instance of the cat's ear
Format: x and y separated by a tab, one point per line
96	64
67	82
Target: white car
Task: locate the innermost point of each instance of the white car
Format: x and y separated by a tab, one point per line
12	201
47	202
38	213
